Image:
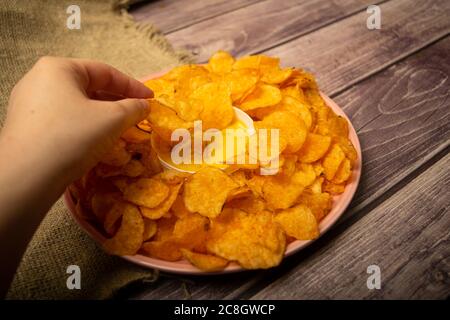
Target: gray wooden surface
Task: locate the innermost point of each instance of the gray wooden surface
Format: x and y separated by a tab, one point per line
393	84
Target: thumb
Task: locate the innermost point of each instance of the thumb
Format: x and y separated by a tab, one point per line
132	111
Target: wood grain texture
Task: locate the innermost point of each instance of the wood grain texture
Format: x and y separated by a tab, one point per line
346	52
170	15
408	237
402	115
261	26
340	54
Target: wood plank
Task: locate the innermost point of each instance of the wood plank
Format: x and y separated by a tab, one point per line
261	26
346	52
403	118
407	237
340	54
171	15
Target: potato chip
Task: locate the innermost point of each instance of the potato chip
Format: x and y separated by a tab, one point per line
288	104
205	262
215	101
150	228
280	191
319	203
164	228
105	170
343	173
178	208
135	135
256	62
263	95
316	187
190	231
147	192
276	75
240	192
332	161
256	241
118	155
133	168
164	120
301	79
292	128
114	214
171	176
144	126
241	82
158	211
314	148
221	62
348	148
206	190
166	250
294	92
304	175
248	204
256	185
160	87
333	188
298	222
181	73
129	237
101	203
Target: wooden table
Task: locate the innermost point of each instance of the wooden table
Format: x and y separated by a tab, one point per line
394	85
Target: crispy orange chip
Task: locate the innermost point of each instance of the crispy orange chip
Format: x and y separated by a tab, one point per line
262	96
241	83
298	222
254	241
205	191
129	237
150	227
164	120
101	203
221	62
118	155
166	250
319	203
292	128
160	87
136	135
158	211
332	161
215	101
314	148
343	173
205	262
147	192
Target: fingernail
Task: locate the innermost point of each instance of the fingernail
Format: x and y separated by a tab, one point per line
148	92
145	105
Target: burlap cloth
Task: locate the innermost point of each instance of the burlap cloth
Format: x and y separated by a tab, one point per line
32	28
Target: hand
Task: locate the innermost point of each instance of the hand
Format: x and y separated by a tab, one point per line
58	110
62	116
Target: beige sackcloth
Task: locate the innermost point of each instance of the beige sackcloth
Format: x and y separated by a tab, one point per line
30	29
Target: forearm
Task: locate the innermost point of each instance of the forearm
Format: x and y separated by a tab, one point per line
31	180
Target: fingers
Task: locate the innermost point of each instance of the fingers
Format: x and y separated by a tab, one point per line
102	77
128	111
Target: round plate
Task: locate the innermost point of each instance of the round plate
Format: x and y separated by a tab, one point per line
340	203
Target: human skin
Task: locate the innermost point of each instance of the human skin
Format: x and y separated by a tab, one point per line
63	115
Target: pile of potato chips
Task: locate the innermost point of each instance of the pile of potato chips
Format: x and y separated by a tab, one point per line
214	217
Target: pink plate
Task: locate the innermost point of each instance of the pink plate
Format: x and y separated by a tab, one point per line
340	203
